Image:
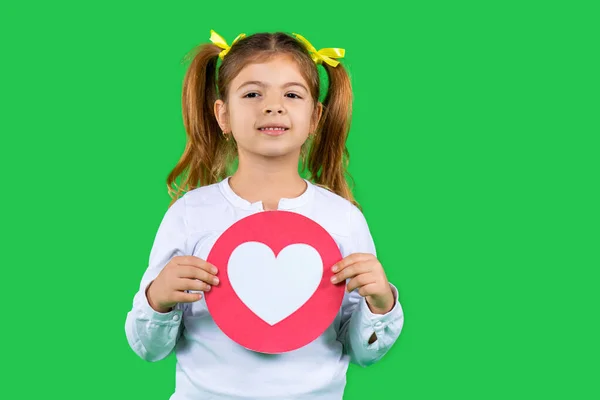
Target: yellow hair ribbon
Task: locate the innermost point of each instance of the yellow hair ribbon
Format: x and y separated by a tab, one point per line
324	55
219	41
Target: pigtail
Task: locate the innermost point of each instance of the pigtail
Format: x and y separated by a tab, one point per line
329	156
207	153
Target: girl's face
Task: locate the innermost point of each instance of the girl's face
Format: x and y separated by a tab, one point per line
269	110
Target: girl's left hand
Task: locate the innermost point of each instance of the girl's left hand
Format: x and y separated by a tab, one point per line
366	273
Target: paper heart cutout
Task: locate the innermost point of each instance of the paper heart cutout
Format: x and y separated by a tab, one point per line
272	287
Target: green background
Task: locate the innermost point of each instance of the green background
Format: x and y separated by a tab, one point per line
474	147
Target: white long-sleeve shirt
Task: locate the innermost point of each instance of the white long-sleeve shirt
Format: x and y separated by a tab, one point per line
212	366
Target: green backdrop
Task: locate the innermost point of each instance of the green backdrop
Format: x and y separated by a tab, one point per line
473	146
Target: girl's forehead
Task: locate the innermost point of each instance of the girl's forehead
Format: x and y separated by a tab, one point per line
275	70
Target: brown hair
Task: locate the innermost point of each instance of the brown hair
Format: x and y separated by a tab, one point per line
207	156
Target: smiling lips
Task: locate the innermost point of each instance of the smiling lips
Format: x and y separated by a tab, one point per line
273	130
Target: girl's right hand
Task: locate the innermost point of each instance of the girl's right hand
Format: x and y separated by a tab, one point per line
180	274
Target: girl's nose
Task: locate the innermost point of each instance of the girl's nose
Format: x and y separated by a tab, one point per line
274	109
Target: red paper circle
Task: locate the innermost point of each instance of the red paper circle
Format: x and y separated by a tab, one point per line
275	229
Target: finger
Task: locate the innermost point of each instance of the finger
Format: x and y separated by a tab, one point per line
351	271
360	281
196	262
189	272
182	297
368	290
351	259
192	284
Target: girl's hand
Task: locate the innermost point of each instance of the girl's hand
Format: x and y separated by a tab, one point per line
366	273
180	274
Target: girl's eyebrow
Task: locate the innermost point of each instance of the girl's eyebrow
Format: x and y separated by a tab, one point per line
263	84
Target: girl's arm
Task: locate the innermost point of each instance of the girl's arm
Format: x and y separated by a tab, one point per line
153	335
367	336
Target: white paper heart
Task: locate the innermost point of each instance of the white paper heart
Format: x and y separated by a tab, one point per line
274	287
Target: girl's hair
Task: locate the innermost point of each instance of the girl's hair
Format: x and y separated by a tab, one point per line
208	155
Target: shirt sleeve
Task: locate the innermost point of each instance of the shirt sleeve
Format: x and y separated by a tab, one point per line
358	322
150	334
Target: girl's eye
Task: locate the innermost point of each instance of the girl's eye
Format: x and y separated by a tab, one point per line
251	95
294	95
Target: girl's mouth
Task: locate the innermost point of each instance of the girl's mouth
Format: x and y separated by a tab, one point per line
273	130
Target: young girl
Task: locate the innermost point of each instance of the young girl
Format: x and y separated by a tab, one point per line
260	108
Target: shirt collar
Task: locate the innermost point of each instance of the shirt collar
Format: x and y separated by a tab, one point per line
284	203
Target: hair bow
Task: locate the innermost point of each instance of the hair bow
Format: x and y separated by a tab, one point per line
324	55
219	41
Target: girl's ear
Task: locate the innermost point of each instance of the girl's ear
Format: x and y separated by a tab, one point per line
221	114
318	112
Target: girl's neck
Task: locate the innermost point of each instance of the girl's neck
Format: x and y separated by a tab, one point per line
267	182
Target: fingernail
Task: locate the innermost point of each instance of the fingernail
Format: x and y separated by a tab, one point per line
216	280
215	270
207	287
335	268
333	279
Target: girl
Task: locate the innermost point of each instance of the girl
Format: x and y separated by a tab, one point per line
260	108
